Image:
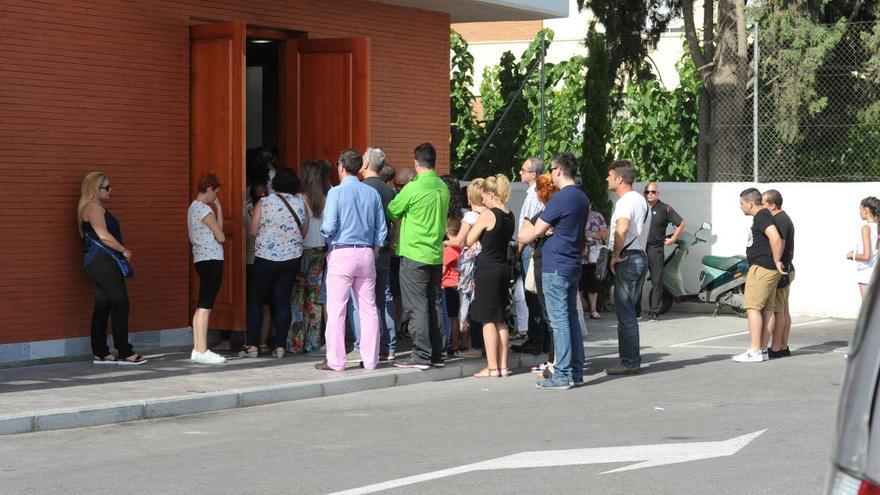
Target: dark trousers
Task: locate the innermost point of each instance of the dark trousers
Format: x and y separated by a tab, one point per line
656	257
275	279
420	289
111	298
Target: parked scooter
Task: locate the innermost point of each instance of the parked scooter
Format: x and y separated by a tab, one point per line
722	280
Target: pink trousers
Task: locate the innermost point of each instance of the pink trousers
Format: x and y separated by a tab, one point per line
352	269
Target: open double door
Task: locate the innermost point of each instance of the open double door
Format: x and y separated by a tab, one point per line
324	100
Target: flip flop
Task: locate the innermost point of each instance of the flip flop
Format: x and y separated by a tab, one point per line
133	360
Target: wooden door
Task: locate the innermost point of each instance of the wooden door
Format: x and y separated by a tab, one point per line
217	144
325	98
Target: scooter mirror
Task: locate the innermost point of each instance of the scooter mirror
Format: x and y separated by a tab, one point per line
706	226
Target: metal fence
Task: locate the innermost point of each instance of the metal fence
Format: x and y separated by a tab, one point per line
809	115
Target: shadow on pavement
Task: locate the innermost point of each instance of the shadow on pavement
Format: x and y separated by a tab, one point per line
651	363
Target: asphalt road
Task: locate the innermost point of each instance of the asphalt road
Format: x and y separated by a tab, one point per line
689	393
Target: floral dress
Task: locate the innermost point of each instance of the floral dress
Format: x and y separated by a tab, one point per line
595	223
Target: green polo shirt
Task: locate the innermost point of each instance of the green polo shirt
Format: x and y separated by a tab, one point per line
422	205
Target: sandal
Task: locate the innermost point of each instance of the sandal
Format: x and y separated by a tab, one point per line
263	349
487	373
505	372
248	352
132	360
278	353
108	359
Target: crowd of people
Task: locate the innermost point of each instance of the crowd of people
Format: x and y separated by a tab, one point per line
407	253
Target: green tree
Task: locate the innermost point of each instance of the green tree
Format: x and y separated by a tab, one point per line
597	129
463	128
657	128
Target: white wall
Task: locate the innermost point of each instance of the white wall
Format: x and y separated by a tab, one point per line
826	221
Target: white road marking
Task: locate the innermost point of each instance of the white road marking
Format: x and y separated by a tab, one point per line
746	332
708	339
805	323
642	455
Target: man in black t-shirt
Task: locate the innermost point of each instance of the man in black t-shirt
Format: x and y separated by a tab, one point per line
764	254
777	317
661	216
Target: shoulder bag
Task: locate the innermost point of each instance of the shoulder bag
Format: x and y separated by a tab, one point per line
295	216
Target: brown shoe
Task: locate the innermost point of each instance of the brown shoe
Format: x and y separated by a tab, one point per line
620	369
323	366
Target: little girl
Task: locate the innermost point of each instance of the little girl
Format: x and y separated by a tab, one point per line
865	254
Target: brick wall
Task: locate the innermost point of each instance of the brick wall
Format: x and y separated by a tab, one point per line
104	85
476	32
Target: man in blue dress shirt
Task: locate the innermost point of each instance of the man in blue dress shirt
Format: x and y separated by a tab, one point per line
354	226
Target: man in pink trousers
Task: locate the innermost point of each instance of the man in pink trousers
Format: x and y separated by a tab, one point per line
354	226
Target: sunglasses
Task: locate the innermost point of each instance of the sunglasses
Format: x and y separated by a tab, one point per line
650	192
106	188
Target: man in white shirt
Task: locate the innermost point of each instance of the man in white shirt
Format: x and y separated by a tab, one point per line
538	340
629	264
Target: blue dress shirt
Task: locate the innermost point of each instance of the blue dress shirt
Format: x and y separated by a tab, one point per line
353	215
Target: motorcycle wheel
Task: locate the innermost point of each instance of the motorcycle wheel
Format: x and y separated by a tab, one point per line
666	302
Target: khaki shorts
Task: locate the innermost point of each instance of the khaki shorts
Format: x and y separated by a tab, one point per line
760	288
779	302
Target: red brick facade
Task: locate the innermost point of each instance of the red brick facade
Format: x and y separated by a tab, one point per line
104	85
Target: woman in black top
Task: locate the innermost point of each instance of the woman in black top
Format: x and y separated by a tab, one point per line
103	240
493	274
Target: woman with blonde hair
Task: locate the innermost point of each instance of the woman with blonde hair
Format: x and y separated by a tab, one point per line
467	262
493	274
106	262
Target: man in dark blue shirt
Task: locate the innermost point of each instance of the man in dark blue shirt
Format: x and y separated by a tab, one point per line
566	213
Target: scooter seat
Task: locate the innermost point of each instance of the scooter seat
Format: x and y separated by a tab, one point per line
722	262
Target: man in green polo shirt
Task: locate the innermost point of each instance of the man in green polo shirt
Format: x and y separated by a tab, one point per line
422	206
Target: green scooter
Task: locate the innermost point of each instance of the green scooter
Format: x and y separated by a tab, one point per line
722	280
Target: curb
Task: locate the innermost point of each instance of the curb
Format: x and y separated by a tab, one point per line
165	407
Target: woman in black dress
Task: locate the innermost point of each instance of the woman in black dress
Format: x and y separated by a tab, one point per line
492	276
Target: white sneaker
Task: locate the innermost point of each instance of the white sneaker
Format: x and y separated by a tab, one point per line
750	356
209	357
195	355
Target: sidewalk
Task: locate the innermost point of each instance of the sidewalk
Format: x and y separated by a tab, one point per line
78	394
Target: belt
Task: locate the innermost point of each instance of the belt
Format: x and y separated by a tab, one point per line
632	251
347	246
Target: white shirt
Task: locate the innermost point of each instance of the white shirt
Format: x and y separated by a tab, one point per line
634	207
531	206
313	239
204	245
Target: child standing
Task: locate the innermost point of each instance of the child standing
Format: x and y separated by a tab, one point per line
449	283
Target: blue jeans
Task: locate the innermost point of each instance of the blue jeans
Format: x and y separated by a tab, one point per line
628	280
385	304
568	341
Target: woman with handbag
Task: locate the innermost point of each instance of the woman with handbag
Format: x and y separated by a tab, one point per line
545	189
206	235
279	224
106	262
596	234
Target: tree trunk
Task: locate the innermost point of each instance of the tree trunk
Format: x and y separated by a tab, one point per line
730	146
703	60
